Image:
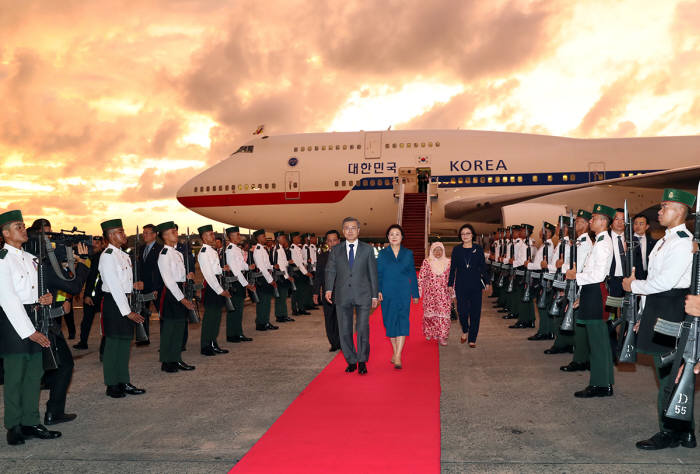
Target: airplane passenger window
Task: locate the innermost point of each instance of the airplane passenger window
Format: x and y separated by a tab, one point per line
565	178
520	179
437	143
296	148
309	147
259	186
468	180
337	147
393	145
498	179
323	148
267	185
386	146
512	179
303	148
345	147
349	183
415	145
352	147
226	187
422	145
246	187
401	145
221	188
343	183
195	189
207	188
490	179
452	181
336	184
372	182
460	180
430	144
572	177
408	145
535	179
482	180
359	146
274	185
549	178
315	148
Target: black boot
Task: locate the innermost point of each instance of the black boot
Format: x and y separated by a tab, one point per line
14	436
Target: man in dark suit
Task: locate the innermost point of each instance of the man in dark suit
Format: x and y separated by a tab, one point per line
352	272
92	293
149	273
645	244
329	311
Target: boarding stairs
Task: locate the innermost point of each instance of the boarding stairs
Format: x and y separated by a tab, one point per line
414	218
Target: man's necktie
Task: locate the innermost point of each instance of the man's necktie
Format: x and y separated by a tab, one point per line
351	257
146	250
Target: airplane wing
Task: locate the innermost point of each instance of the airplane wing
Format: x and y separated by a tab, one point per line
487	208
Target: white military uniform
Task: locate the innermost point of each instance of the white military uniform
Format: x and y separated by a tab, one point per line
520	252
19	282
117	276
171	264
282	260
236	262
210	266
313	251
299	259
597	265
262	261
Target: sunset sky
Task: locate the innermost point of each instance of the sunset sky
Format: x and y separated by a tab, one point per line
109	106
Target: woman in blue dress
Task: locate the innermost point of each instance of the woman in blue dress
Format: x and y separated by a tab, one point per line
397	285
469	278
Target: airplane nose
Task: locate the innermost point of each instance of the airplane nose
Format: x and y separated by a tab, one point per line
185	190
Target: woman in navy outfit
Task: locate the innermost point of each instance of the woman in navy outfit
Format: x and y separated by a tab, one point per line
397	284
469	278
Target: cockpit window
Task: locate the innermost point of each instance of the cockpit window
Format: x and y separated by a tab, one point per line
245	149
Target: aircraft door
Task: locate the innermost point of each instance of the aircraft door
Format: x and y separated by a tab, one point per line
292	183
373	145
596	171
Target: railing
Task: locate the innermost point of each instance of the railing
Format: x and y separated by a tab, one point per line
426	232
399	211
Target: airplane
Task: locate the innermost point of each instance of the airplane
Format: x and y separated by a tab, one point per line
312	181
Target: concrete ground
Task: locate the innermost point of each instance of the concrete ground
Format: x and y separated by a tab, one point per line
505	407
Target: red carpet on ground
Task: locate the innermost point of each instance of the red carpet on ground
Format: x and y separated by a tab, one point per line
385	421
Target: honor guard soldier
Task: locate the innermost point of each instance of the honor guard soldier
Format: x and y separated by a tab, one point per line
505	251
525	311
307	279
559	265
118	319
567	342
265	283
664	292
540	264
214	294
20	343
173	304
591	311
236	261
278	257
298	271
313	260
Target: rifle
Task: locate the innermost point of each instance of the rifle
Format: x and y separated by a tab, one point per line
190	287
545	284
630	311
511	279
568	322
223	280
555	309
278	274
680	397
252	276
44	314
526	298
137	299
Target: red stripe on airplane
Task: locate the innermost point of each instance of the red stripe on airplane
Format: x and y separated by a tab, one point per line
262	199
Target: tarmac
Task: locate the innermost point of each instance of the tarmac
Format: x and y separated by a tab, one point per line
505	407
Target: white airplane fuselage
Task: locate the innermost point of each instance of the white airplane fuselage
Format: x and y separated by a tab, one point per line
310	182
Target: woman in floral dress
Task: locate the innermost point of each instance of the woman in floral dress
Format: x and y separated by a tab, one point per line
437	298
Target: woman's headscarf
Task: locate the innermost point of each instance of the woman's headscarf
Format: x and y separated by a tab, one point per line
438	265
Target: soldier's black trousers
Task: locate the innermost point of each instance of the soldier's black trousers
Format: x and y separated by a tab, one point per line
58	380
89	312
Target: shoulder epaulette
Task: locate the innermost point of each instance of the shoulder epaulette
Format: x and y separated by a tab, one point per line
230	246
108	251
164	251
583	238
602	237
203	249
682	234
258	246
3	252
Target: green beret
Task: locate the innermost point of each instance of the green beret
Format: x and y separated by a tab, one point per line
293	234
258	232
550	227
584	214
205	228
233	229
163	226
604	210
278	233
677	195
305	235
11	216
527	227
111	224
515	226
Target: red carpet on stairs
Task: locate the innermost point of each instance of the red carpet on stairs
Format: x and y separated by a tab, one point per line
385	421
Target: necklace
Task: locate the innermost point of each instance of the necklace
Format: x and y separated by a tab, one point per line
471	254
